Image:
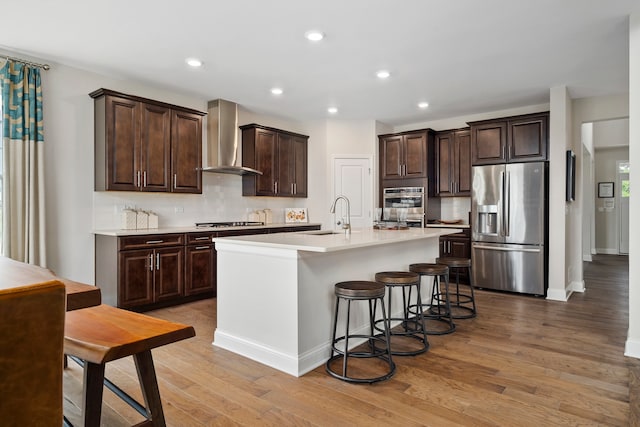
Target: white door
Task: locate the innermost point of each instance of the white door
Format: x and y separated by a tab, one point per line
623	203
352	178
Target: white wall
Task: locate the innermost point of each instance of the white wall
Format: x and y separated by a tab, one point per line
632	347
611	133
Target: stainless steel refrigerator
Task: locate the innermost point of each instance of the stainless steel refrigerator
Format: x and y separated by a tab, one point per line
509	227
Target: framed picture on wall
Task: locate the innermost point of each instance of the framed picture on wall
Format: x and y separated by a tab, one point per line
605	189
571	176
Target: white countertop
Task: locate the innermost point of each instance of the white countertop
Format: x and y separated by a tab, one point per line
314	241
194	229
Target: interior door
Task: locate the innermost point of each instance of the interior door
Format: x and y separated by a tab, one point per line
352	178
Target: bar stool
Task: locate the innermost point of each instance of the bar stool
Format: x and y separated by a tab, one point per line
361	291
461	302
441	311
410	327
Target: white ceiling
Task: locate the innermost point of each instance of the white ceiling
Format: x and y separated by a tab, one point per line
462	56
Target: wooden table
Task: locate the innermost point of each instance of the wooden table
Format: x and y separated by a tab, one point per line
15	274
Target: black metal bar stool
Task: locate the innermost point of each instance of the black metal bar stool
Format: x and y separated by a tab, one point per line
463	303
439	306
410	326
364	291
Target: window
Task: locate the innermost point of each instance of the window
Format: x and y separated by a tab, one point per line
1	181
623	168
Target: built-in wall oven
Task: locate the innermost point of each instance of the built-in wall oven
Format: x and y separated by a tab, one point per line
397	200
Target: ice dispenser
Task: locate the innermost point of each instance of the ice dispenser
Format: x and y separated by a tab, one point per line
488	219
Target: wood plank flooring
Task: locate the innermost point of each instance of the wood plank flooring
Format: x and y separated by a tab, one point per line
523	361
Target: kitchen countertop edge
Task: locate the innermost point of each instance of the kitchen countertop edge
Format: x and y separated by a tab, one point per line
194	229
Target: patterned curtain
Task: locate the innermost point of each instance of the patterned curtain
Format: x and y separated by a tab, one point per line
23	216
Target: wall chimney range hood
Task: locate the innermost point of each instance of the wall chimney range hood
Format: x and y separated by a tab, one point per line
222	139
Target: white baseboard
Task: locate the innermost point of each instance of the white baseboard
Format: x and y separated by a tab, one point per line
558	294
577	286
587	258
607	251
632	348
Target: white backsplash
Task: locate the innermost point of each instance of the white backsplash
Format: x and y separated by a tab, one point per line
455	208
221	200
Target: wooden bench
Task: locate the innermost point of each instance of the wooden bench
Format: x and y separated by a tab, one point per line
102	333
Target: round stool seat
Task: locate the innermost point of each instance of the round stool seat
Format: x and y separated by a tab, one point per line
429	269
454	262
359	289
397	277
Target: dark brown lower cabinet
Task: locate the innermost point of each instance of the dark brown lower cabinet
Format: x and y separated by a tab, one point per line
456	245
200	269
143	272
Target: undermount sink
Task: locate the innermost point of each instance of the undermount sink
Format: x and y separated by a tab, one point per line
321	232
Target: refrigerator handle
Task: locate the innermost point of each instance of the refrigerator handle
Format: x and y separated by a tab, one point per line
507	204
503	186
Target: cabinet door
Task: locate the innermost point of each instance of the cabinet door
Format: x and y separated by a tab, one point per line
488	143
415	155
200	270
186	152
266	157
300	166
462	163
156	148
122	130
169	273
286	165
528	139
391	157
136	270
444	162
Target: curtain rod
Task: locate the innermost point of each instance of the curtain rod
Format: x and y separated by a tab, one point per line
45	67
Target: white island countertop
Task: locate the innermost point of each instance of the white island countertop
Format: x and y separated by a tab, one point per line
328	241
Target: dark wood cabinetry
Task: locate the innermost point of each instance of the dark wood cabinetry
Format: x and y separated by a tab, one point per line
512	139
155	270
407	159
281	156
146	145
200	264
457	245
153	273
453	163
405	155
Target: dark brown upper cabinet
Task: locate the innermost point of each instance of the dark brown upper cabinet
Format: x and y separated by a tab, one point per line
453	163
146	145
280	155
512	139
404	156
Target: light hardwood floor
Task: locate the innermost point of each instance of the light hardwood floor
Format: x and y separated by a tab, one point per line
523	361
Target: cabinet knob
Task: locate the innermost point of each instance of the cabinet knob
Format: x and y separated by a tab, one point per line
150	262
157	261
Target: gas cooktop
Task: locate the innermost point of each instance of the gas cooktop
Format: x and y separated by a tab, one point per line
227	224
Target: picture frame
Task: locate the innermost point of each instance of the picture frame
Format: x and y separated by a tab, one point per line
296	215
605	190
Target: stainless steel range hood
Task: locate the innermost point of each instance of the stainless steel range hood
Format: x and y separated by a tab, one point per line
222	140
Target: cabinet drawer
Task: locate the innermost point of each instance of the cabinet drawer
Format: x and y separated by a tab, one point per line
150	241
200	238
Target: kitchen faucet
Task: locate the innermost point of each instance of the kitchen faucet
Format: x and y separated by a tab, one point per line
346	226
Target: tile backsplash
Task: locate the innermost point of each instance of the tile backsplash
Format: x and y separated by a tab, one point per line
221	200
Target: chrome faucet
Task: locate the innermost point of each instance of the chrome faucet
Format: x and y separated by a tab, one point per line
346	226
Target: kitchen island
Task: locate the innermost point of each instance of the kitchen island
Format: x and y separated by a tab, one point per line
276	292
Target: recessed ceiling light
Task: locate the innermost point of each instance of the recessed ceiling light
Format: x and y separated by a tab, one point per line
314	36
423	105
276	91
332	110
194	62
383	74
